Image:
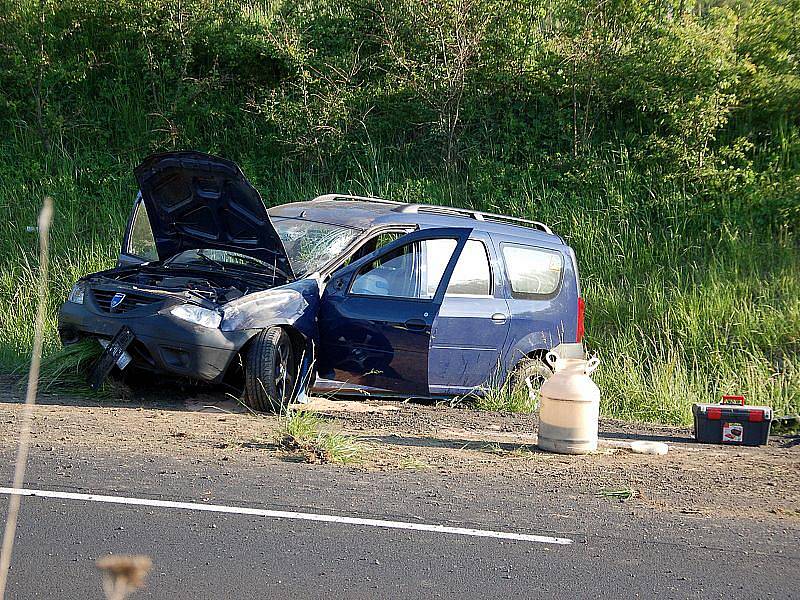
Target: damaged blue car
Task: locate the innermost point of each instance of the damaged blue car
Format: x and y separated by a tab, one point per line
340	293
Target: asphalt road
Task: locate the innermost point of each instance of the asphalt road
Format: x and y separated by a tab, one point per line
619	550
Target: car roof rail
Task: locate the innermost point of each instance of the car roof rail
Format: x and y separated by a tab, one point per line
442	210
475	214
334	197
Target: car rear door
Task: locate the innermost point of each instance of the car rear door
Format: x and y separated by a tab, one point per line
542	295
376	314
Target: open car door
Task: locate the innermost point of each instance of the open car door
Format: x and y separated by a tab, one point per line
376	314
138	245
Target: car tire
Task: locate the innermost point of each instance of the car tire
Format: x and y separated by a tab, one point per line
270	371
530	372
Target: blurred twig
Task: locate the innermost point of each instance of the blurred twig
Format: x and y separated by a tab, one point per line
23	447
122	575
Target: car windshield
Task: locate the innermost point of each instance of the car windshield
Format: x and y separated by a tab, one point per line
215	257
310	245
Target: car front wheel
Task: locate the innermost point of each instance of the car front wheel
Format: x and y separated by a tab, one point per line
270	371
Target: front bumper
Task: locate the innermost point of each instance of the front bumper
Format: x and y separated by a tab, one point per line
163	342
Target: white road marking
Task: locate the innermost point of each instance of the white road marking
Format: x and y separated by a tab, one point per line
280	514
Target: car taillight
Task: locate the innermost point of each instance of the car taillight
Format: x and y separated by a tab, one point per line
581	330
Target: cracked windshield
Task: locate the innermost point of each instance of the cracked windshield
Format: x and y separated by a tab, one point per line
310	245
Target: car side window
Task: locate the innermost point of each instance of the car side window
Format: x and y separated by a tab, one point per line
472	275
532	271
413	270
141	243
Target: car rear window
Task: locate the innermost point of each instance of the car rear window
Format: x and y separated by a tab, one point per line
532	271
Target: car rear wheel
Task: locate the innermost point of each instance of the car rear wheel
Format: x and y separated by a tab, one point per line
270	371
530	373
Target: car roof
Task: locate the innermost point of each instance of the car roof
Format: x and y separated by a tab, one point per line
365	213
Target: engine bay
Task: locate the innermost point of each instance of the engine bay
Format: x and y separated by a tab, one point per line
219	288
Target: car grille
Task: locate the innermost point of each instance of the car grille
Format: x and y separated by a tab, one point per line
131	301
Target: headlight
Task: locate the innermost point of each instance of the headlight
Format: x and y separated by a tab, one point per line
197	315
77	292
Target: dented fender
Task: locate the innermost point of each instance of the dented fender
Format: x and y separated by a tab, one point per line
294	304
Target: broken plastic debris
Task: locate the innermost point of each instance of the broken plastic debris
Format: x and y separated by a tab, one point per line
637	447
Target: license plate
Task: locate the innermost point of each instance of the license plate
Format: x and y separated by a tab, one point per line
124	359
114	354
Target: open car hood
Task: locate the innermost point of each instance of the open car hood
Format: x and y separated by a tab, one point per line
196	200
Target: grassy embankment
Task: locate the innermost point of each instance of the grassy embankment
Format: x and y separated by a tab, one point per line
681	309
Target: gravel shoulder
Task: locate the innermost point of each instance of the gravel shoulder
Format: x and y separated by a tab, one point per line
441	440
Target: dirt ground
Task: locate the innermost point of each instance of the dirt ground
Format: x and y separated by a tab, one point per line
762	483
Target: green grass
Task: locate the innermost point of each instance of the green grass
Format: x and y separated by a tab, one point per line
622	494
506	397
66	370
302	431
682	205
89	219
67	367
685	301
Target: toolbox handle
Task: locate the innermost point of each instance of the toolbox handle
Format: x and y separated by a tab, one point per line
733	400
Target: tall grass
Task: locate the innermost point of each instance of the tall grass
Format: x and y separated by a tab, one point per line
684	303
91	207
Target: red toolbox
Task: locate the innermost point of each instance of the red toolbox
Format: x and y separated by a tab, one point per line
732	422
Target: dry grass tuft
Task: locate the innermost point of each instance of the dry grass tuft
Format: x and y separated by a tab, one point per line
123	574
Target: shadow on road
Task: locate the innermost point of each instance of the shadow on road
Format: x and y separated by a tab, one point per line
645	437
453	444
148	392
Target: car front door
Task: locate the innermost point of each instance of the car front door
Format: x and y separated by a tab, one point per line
138	245
376	314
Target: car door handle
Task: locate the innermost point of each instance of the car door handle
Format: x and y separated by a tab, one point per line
415	325
499	318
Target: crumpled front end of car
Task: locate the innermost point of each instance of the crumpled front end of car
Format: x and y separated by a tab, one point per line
179	334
